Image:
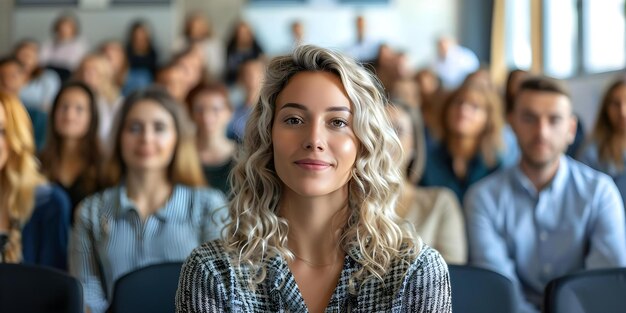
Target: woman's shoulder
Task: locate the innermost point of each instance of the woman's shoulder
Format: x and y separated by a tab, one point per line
211	258
427	269
51	199
50	192
429	259
99	203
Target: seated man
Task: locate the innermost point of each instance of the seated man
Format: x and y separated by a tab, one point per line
550	215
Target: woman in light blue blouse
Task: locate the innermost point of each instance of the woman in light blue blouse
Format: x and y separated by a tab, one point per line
606	150
155	211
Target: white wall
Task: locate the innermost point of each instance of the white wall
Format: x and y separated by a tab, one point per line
587	92
98	25
6	7
408	25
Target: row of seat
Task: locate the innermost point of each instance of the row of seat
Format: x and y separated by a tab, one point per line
26	288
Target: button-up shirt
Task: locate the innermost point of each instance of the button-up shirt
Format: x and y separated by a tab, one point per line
532	237
110	239
210	282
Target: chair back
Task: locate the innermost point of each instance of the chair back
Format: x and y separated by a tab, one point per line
151	289
602	291
31	288
480	290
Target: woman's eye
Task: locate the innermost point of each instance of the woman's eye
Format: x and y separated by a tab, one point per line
339	123
134	128
293	121
160	127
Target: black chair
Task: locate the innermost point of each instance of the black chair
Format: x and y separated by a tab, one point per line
478	290
602	291
151	289
30	288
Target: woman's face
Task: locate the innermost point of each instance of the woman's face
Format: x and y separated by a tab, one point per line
401	122
28	55
616	109
66	30
90	73
467	115
114	52
192	66
211	113
12	78
148	138
73	114
140	38
4	145
315	147
173	79
198	28
244	35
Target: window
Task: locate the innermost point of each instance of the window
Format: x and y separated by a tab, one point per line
560	38
584	36
603	35
517	25
45	2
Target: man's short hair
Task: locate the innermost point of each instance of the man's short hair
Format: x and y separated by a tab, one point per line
543	84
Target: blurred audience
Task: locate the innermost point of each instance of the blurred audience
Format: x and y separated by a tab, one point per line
191	63
434	211
142	56
34	215
250	78
172	78
198	34
431	98
549	216
242	46
364	49
454	62
97	72
72	155
114	52
155	210
211	110
41	84
471	141
606	149
65	50
12	79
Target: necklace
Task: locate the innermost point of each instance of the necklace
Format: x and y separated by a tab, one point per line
312	264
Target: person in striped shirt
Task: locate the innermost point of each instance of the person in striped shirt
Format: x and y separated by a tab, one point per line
156	209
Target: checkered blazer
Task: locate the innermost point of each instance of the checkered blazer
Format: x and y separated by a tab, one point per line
210	282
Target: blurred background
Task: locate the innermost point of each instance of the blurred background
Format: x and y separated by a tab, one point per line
581	41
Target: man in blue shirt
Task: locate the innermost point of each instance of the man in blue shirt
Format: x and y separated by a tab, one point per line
550	215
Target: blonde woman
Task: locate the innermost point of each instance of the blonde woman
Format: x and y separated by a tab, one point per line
97	72
313	226
434	211
155	211
34	215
